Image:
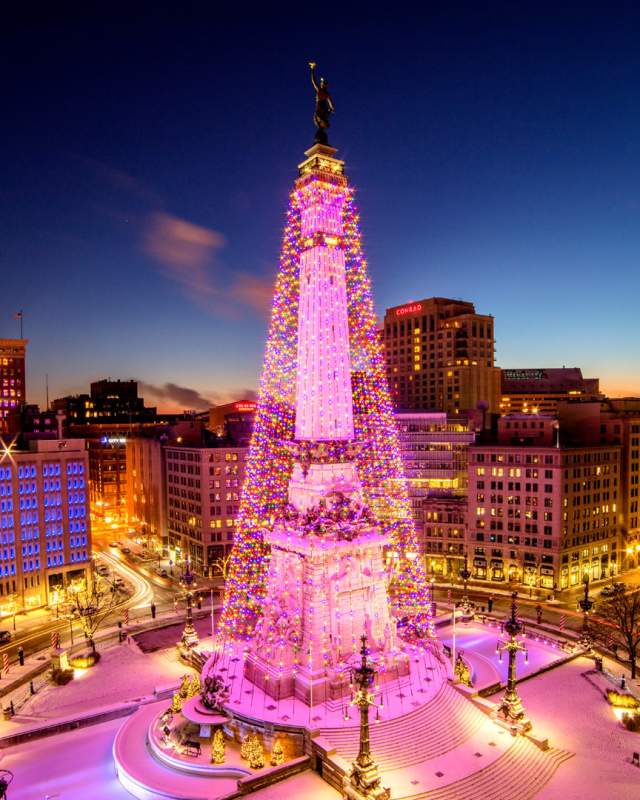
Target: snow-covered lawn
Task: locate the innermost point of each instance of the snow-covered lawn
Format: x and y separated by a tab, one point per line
122	674
572	713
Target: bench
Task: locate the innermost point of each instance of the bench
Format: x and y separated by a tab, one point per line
191	747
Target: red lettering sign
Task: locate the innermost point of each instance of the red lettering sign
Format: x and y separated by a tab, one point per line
412	309
245	406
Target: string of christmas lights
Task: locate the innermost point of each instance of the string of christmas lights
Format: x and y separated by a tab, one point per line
269	462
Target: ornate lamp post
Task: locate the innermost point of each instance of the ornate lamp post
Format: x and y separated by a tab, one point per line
585	641
364	782
188	582
511	709
465	574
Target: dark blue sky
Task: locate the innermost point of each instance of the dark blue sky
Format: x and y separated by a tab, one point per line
147	157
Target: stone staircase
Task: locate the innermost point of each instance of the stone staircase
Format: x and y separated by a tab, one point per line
518	774
435	728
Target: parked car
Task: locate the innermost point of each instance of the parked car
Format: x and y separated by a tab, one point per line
613	588
126	550
5	636
101	569
163	573
114	544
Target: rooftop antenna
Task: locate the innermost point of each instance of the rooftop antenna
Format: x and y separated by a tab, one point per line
46	384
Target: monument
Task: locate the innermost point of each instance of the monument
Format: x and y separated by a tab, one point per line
325	529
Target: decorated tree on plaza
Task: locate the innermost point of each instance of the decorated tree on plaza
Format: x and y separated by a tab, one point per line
217	748
270	462
185	687
245	746
194	686
277	754
256	754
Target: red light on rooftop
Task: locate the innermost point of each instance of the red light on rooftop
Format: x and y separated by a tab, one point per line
410	309
245	406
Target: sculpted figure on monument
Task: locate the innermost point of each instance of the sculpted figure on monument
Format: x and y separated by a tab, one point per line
324	107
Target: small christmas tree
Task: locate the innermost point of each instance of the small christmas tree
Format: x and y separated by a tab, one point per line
217	748
277	754
185	685
245	746
194	686
256	756
176	703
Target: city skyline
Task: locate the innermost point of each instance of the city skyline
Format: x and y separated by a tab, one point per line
149	234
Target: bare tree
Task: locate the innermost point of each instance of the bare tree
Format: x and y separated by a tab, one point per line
92	605
221	565
618	621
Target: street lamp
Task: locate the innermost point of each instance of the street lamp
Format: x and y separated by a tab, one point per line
364	781
585	641
511	709
188	582
465	574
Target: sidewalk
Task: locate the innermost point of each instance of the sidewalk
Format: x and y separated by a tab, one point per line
13	684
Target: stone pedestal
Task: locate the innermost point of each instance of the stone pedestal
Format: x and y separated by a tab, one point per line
60	659
324	592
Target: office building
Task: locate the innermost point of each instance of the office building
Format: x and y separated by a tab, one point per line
146	486
532	391
440	356
542	512
203	496
109	401
617	422
434	451
234	420
12	383
45	530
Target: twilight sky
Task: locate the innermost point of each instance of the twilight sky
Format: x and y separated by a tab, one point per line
147	157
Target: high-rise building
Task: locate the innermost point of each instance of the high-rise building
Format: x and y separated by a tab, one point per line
203	486
12	383
532	391
542	512
146	481
234	420
109	401
613	421
434	451
45	530
440	356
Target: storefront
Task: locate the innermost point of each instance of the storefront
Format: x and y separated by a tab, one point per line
480	568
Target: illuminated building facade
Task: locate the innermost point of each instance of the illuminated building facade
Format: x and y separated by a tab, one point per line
203	486
234	420
12	383
434	451
540	514
444	533
532	391
45	530
108	402
440	355
614	421
146	486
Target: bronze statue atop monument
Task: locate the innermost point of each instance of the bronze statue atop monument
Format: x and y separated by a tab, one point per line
324	107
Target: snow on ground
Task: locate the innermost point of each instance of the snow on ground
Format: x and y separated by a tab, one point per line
78	765
161	638
122	674
75	765
567	709
478	644
72	766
